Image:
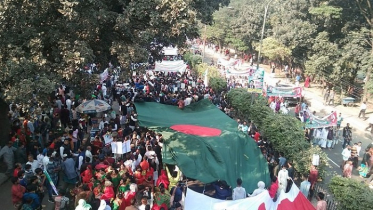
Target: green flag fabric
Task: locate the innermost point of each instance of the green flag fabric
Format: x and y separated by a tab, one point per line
205	143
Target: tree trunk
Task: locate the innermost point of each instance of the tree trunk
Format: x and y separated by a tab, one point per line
367	78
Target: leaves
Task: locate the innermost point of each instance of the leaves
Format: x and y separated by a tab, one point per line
351	194
52	40
285	132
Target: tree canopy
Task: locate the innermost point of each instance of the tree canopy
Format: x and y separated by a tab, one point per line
43	43
327	39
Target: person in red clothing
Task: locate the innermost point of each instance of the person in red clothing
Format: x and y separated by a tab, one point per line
87	174
181	103
163	179
97	145
128	196
17	192
144	164
312	178
256	136
140	178
273	188
108	191
17	169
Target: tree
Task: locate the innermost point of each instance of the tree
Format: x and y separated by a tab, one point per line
284	132
323	57
45	42
217	84
274	50
351	194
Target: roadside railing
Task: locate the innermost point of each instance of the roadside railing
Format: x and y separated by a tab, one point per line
331	204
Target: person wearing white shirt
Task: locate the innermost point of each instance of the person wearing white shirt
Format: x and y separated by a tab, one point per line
144	202
102	123
103	89
88	153
150	153
34	163
139	158
239	192
363	107
283	177
68	104
260	189
188	101
45	160
39	159
346	154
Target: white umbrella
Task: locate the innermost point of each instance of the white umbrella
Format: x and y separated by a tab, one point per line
93	106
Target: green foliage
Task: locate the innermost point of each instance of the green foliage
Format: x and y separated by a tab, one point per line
326	11
274	50
217	84
212	71
192	59
351	194
284	131
324	56
286	134
304	162
43	43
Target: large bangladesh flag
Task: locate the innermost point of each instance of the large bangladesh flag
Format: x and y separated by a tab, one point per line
205	143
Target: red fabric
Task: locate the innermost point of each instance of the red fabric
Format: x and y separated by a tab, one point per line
300	202
262	207
101	166
144	165
196	130
273	189
15	172
108	193
156	207
256	136
139	177
127	200
312	178
163	178
17	193
86	176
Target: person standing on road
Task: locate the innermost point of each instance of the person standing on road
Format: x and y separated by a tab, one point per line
321	203
346	154
363	107
8	153
339	120
331	97
370	121
326	96
347	135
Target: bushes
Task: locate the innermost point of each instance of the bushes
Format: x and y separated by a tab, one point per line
351	194
192	59
285	132
218	84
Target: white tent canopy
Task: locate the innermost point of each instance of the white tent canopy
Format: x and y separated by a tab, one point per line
170	66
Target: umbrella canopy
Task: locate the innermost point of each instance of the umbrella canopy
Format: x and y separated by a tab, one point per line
93	106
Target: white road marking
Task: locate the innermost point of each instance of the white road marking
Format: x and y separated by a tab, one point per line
333	162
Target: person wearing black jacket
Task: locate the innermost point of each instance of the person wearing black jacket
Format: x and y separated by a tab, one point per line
347	135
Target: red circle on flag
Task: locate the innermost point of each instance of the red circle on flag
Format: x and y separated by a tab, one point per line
197	130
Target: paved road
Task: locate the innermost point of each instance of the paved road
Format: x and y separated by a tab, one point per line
314	96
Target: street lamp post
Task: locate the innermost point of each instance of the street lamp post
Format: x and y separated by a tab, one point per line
261	37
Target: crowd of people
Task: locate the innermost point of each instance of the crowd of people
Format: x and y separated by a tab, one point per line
55	155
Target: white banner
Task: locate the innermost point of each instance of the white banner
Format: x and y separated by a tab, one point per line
104	75
126	147
294	199
170	66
